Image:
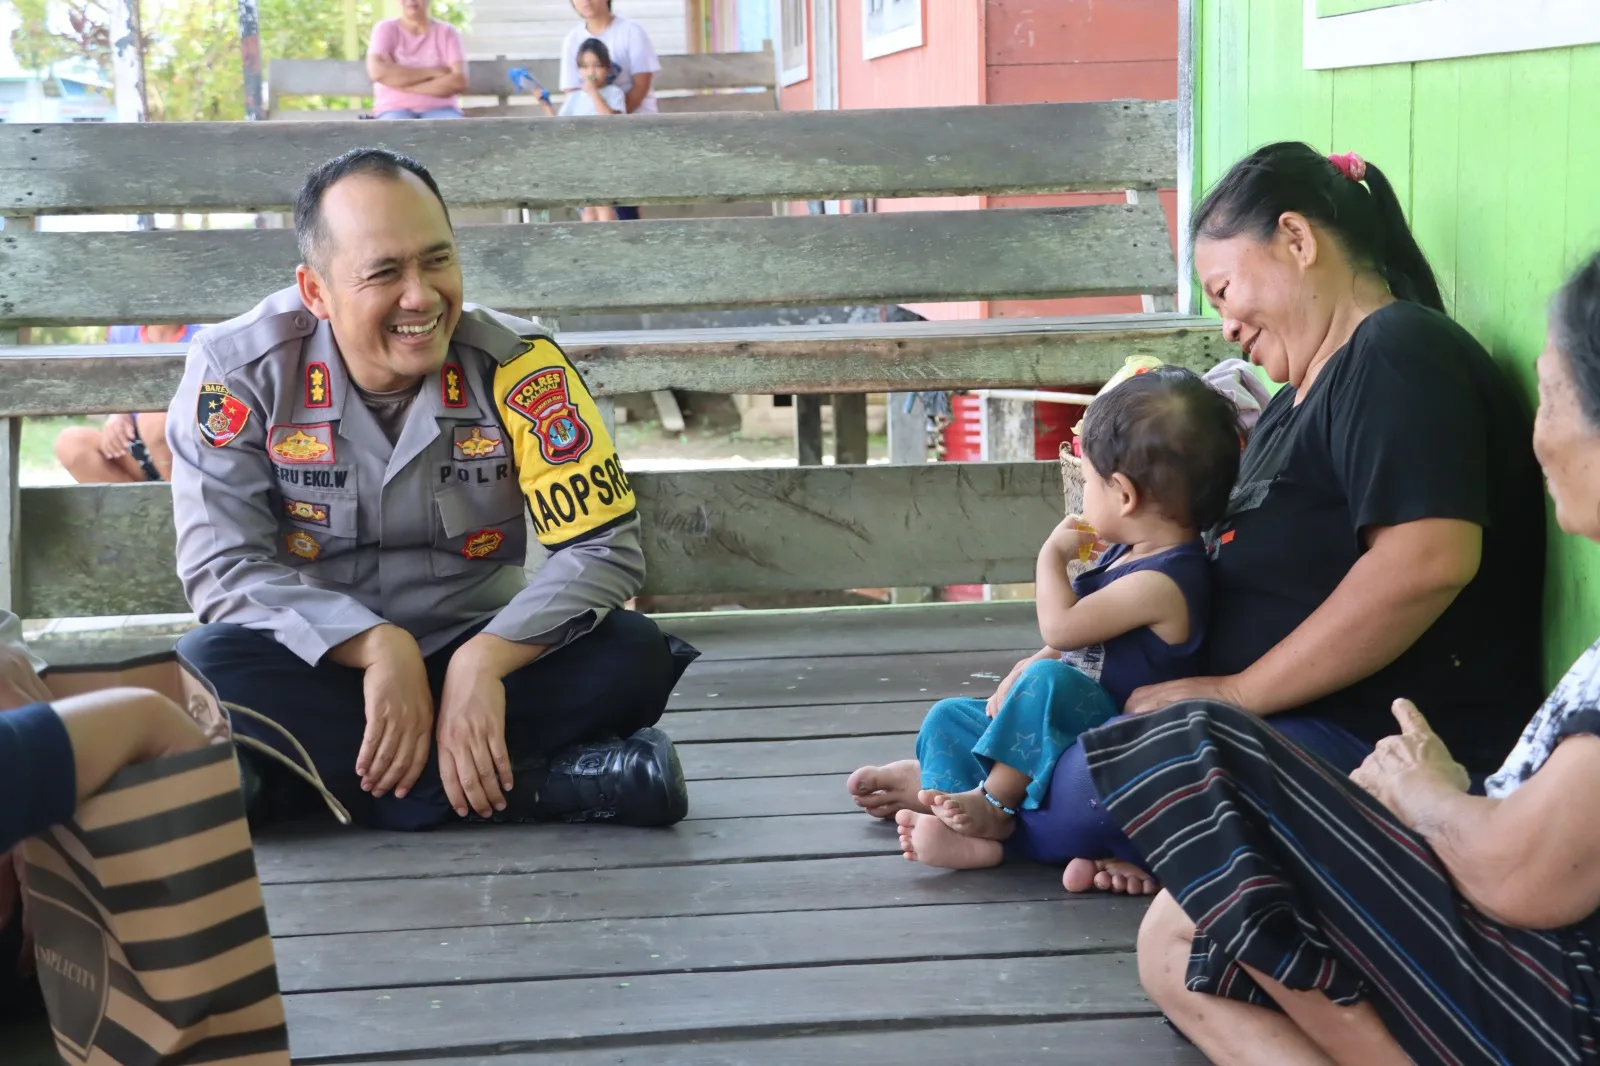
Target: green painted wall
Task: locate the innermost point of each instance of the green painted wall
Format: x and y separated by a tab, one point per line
1497	159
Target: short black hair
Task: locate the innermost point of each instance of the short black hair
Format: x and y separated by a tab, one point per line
598	47
308	227
1175	437
1575	328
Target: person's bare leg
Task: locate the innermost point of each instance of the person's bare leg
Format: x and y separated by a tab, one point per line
1311	1029
926	839
1228	1032
884	791
972	814
605	214
78	449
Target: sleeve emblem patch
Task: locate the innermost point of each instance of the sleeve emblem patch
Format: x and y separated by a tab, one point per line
301	444
483	543
220	414
302	544
317	394
479	442
543	399
303	511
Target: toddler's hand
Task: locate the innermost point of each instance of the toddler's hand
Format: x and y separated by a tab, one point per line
1075	539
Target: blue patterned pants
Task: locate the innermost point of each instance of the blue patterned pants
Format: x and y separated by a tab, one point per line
1042	715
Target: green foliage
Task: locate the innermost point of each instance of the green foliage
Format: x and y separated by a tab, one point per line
193	70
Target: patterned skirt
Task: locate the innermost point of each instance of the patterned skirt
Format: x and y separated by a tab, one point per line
1286	866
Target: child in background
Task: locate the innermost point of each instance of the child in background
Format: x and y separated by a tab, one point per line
595	96
1160	456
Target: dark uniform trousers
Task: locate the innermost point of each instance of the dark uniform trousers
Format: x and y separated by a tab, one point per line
612	681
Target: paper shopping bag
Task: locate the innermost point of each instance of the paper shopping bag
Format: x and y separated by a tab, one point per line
150	932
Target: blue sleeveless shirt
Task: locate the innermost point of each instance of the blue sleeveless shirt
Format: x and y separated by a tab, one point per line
1139	657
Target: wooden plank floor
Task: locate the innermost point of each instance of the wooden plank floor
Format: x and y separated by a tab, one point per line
776	925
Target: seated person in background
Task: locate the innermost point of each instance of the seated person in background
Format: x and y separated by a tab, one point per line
595	97
1161	452
129	447
417	66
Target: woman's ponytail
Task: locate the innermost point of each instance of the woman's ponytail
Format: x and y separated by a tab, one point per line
1404	266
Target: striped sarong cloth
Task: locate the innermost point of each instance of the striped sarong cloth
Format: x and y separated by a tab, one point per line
1288	867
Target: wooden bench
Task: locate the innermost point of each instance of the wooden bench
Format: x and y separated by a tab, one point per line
712	81
107	550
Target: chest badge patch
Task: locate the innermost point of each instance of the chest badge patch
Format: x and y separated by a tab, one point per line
301	444
317	394
220	414
452	386
483	543
303	511
543	399
479	442
302	544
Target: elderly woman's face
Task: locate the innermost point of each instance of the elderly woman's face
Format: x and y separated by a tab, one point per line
1259	287
414	9
1568	447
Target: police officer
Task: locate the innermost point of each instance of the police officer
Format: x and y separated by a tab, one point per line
353	461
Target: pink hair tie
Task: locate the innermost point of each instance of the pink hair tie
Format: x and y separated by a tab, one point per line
1350	165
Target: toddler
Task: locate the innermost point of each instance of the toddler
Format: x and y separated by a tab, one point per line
1160	456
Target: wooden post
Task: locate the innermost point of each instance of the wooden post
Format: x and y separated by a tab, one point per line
1160	302
127	62
908	430
808	429
250	52
1008	430
352	42
10	475
850	428
1188	36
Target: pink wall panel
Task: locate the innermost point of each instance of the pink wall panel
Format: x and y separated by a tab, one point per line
947	70
1081	31
1067	83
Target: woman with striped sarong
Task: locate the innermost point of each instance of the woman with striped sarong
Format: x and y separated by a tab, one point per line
1391	916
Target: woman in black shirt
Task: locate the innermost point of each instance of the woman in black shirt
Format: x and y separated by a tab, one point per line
1386	538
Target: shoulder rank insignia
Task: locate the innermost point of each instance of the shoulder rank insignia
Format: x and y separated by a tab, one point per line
301	444
542	398
452	386
317	394
220	414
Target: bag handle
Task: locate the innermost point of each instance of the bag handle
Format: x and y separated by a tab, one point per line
308	773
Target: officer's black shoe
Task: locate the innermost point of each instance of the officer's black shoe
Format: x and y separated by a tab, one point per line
633	781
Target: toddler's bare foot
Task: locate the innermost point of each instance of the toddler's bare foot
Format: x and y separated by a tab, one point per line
882	791
969	813
1108	875
926	839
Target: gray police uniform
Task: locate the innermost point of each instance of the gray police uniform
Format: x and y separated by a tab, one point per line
301	524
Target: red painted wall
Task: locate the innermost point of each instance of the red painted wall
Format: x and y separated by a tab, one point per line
1014	52
1067	51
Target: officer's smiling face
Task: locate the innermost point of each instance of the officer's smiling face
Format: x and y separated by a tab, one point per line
389	279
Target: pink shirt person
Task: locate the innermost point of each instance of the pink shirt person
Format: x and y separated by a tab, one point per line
416	74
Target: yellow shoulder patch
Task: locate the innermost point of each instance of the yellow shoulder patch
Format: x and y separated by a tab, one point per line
566	464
